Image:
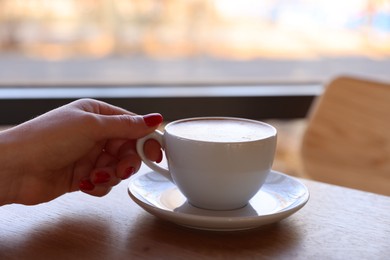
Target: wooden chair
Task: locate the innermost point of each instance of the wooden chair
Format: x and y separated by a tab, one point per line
347	139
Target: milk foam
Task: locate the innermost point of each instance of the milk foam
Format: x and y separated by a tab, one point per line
221	130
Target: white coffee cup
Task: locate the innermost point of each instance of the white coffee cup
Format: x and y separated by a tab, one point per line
218	163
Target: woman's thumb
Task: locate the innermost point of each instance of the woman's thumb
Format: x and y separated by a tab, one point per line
129	126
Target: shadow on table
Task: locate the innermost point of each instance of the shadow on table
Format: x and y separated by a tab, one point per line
176	241
68	238
92	237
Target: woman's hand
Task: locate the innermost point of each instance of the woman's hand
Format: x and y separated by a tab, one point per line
86	145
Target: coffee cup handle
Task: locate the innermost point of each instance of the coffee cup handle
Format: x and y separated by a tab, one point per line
158	136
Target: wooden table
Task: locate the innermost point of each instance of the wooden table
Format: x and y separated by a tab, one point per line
336	223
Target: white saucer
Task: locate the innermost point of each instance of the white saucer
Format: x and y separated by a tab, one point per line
279	197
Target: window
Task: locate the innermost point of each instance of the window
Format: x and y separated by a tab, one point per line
196	41
52	51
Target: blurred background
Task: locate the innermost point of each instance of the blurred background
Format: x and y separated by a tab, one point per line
59	44
196	41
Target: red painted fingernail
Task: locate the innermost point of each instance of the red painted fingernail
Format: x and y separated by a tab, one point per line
160	157
86	185
153	119
101	177
128	172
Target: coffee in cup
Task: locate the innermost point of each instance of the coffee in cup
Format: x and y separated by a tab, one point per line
218	163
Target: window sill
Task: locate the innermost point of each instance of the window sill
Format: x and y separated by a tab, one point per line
249	101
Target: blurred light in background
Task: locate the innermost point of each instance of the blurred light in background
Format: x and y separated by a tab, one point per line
230	30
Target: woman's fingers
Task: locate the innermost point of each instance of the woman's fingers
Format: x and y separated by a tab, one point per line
100	181
117	161
88	187
129	161
105	159
104	176
153	150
